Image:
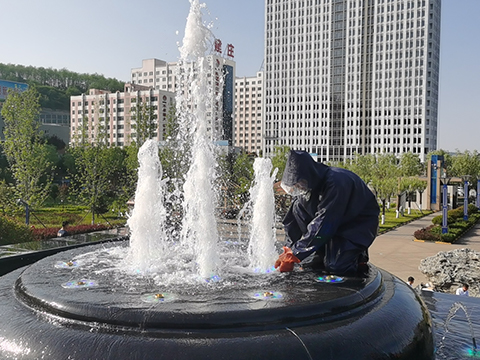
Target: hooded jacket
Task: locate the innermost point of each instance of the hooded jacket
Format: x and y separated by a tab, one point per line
338	204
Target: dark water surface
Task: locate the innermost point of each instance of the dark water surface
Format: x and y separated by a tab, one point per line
456	321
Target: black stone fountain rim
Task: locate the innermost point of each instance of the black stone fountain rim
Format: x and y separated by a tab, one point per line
307	302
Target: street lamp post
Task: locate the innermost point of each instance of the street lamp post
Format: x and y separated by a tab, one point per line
465	197
478	193
27	210
445	203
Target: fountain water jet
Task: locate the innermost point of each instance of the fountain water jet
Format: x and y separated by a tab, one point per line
276	316
199	225
148	219
451	314
261	247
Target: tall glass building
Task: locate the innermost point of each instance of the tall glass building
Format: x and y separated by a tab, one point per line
352	76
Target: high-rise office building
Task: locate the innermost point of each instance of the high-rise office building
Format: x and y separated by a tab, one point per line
352	76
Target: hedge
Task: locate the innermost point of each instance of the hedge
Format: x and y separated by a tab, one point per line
48	233
11	232
456	226
455	214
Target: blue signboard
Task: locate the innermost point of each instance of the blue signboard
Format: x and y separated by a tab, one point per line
228	88
6	85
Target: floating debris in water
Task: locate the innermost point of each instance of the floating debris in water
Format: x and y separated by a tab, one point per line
66	264
330	279
213	279
158	298
268	295
82	283
265	271
473	353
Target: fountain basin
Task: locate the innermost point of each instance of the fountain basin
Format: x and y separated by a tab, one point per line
293	316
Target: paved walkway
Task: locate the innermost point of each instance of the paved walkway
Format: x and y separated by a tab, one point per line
398	252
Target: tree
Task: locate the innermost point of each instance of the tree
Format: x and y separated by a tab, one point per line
145	124
411	185
279	159
5	171
410	164
174	153
465	164
362	165
384	180
7	198
447	158
24	147
235	178
94	166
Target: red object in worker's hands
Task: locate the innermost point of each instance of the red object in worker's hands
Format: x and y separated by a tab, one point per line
286	260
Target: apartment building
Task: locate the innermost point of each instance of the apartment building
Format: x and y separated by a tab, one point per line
357	76
164	76
102	114
249	113
156	74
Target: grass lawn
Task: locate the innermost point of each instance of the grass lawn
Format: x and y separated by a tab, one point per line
392	222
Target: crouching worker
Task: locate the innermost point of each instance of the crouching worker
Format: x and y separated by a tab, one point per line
333	217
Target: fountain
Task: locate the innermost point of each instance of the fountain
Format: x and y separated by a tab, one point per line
202	294
456	323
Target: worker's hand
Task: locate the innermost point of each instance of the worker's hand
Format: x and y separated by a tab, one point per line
286	260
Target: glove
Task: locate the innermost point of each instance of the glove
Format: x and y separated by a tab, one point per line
286	260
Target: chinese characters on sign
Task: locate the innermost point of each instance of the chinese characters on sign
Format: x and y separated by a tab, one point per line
230	48
218	48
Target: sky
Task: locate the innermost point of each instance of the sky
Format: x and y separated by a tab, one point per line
111	37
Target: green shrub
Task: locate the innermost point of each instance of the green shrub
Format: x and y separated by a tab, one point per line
456	226
12	232
472	209
449	237
451	218
455	214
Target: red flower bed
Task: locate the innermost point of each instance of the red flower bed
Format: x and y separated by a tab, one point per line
426	234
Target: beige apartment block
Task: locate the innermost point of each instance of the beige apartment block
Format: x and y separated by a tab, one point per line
116	113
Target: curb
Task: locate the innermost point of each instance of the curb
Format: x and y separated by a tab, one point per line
433	242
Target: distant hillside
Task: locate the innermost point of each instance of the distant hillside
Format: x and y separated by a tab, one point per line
56	86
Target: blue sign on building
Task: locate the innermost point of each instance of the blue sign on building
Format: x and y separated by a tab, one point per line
5	85
228	88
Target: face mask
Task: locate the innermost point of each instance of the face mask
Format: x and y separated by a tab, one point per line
306	195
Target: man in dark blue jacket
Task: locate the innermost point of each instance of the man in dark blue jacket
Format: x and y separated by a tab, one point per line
333	215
